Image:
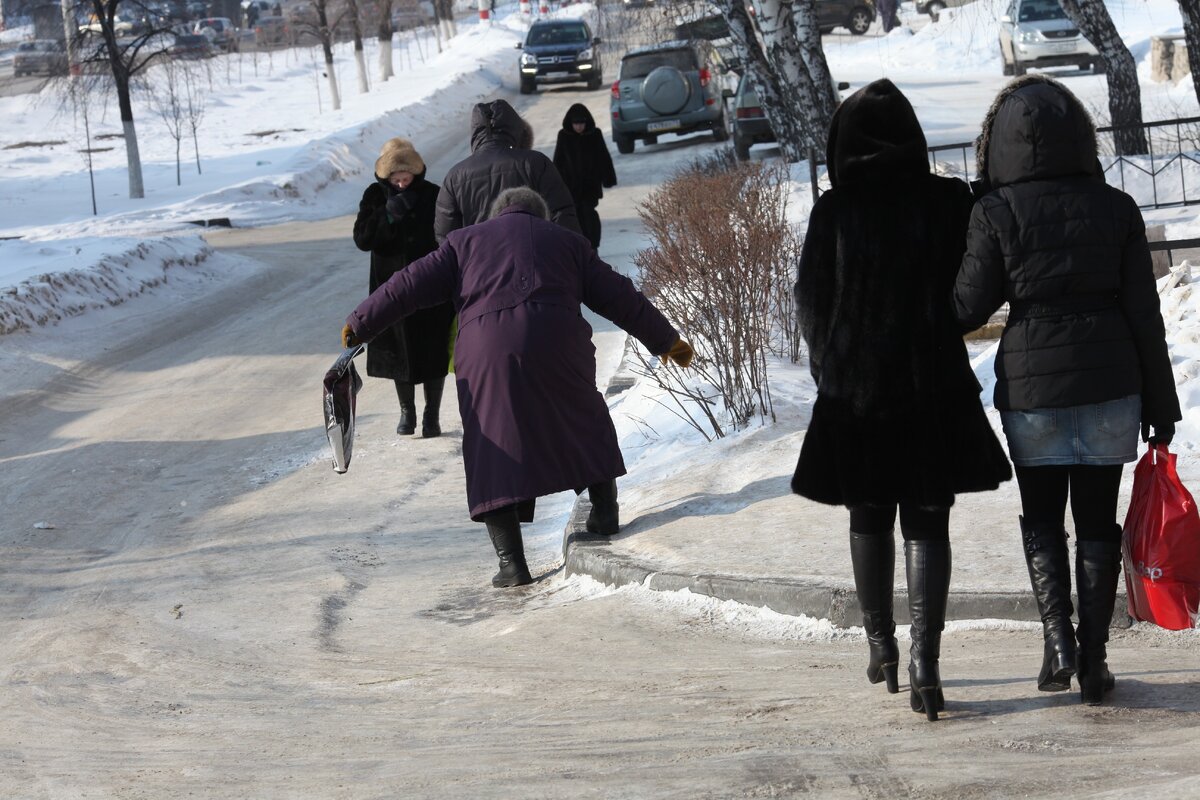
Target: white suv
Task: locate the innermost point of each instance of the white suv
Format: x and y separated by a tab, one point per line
1037	33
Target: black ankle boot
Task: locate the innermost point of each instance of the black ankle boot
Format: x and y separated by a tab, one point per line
604	517
1097	569
505	531
927	564
430	427
874	560
1050	575
406	392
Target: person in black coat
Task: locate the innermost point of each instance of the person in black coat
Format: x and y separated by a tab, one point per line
898	424
501	158
1082	362
395	223
582	159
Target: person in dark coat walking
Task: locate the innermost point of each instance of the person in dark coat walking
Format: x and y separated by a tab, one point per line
1082	362
501	158
582	159
533	422
898	424
395	223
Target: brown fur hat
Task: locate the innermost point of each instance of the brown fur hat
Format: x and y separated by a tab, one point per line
398	155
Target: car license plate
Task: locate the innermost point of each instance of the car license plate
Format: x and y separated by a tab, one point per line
665	125
1063	47
557	74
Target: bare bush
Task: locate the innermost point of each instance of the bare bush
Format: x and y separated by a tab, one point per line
720	267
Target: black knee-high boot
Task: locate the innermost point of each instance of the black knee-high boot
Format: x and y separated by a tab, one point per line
430	426
604	517
504	528
1049	565
1097	569
927	564
408	408
874	559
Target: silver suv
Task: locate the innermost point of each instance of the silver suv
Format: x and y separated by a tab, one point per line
672	87
1037	33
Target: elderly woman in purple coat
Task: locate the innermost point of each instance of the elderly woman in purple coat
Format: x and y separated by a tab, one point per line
533	422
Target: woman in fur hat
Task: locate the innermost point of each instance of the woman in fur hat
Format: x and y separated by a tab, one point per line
1083	358
898	426
395	224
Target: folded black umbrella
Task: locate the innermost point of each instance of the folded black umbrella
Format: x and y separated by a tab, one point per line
341	388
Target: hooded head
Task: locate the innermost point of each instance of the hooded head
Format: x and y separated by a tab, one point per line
578	113
398	155
875	136
1036	129
498	123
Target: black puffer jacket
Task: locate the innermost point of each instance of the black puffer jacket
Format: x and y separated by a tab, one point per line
500	159
582	159
898	416
1069	254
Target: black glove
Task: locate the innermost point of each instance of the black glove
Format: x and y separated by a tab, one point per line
399	204
1163	434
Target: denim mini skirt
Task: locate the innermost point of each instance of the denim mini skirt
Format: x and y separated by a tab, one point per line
1097	434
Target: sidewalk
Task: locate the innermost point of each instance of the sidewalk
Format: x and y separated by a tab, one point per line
733	530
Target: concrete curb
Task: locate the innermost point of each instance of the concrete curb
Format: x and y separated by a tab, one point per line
592	555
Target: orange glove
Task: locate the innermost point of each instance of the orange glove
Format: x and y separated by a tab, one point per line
681	353
349	339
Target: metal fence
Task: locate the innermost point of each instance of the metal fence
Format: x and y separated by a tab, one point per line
1165	177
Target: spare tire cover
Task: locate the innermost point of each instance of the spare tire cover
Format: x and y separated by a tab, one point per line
666	90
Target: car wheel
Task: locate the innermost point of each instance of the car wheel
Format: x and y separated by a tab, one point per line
860	20
594	82
1019	69
1098	67
624	143
720	129
935	8
741	150
528	86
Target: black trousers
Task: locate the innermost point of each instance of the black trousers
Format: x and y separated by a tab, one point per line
589	222
916	523
1093	495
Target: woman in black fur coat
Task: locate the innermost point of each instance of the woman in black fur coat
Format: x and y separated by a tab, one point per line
898	424
395	224
582	159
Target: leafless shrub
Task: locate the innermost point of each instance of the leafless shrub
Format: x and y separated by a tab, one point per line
720	268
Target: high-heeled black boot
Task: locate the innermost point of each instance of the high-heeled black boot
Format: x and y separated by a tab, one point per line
1097	569
874	560
604	518
430	426
505	531
407	394
927	564
1050	576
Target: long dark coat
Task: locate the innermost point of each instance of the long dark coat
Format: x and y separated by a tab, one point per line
416	349
1069	255
582	159
501	158
533	421
898	417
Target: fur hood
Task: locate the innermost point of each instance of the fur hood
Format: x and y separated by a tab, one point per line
875	136
578	113
499	123
1035	129
398	155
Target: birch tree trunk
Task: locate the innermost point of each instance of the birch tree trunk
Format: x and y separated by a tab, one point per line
360	61
1190	11
385	49
327	48
1124	92
808	37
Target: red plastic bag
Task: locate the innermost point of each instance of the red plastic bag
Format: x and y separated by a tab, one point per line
1161	545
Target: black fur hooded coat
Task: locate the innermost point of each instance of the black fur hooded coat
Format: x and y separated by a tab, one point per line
898	417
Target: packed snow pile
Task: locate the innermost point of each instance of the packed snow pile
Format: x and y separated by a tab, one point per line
1180	302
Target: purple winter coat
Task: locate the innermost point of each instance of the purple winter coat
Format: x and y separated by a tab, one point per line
533	422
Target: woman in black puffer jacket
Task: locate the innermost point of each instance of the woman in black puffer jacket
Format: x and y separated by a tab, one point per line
898	427
1083	359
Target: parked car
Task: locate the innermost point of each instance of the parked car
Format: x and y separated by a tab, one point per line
560	51
40	57
854	15
220	31
407	15
1037	33
750	125
935	7
672	87
270	31
191	46
123	24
